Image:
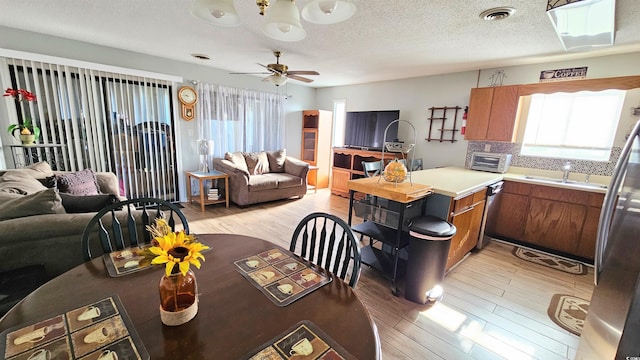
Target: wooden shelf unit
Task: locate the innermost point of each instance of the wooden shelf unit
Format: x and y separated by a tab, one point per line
316	144
347	165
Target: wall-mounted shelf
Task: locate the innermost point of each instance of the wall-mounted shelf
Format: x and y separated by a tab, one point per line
440	114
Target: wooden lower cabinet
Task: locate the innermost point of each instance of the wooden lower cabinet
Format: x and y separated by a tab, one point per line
467	223
559	219
555	225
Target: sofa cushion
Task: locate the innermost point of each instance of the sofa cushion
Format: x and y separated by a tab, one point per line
86	203
78	183
39	170
44	202
20	182
237	159
285	180
257	162
262	182
276	160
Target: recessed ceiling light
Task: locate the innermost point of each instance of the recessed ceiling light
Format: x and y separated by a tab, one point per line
497	13
201	56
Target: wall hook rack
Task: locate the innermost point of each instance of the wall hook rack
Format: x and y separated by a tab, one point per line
440	114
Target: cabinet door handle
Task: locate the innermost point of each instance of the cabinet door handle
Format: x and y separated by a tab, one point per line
463	211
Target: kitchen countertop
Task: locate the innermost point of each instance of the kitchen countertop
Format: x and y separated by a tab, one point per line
454	181
458	182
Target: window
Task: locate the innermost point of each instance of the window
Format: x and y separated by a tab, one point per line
579	126
339	111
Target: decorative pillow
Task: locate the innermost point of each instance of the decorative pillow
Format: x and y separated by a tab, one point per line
20	182
257	162
237	159
49	182
78	183
44	202
39	170
89	203
276	160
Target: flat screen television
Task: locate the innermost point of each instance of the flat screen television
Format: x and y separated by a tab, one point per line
365	129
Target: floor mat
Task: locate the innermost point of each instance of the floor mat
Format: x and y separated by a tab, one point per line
551	261
568	312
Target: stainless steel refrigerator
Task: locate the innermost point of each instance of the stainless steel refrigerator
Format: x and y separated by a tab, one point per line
612	325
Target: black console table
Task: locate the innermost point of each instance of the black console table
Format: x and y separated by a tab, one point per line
25	155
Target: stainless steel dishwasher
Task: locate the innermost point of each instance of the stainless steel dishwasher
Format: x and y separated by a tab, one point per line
493	192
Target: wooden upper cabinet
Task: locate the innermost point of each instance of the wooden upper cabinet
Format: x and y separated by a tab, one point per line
492	113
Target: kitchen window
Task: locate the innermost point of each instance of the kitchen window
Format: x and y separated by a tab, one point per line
579	126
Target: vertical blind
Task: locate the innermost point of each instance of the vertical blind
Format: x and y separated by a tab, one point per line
108	121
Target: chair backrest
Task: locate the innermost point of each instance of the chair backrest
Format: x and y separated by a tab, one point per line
123	224
416	164
371	168
328	241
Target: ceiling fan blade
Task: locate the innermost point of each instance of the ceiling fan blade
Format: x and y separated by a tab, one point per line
299	78
250	73
302	72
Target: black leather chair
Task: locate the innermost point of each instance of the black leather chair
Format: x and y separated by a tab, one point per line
123	224
327	241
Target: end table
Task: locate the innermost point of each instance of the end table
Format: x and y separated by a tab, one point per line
203	198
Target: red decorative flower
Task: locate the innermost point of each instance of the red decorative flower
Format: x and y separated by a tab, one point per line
20	94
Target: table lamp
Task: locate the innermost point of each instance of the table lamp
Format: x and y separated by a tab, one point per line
205	149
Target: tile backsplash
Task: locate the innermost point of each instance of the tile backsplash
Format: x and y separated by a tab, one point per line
578	166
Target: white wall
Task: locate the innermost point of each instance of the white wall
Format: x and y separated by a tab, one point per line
301	97
416	95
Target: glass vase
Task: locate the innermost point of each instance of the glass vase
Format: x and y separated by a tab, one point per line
178	298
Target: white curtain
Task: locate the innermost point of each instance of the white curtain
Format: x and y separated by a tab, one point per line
240	119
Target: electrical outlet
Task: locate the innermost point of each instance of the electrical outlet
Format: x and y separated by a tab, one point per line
487	147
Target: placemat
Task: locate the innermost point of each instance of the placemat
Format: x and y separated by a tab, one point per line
127	261
303	341
281	277
130	260
98	331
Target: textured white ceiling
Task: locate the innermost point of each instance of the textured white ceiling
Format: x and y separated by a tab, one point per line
385	39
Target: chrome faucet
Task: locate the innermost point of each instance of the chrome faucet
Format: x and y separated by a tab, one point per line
566	168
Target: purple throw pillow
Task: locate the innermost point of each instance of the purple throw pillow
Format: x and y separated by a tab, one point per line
78	183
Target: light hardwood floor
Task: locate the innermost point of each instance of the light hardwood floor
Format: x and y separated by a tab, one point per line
494	307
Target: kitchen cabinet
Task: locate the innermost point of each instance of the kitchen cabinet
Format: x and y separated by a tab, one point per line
547	217
492	114
316	144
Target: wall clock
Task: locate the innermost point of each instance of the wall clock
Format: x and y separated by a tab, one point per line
188	98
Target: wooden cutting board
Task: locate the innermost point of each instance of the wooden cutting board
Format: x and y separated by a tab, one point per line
402	192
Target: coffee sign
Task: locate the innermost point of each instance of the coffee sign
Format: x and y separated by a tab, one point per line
563	74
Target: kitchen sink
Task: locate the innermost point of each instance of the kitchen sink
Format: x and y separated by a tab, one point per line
581	184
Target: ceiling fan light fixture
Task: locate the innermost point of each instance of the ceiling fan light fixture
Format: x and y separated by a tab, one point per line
283	22
583	24
217	12
277	79
328	11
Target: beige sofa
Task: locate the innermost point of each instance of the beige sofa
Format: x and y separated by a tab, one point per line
263	176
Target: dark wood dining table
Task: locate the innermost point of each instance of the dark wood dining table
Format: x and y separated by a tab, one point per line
233	319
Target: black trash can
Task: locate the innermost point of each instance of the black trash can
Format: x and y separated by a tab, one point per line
430	239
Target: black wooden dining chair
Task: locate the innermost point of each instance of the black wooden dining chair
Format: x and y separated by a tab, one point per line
328	241
123	224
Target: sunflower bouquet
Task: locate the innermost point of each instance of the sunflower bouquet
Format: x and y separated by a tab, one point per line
174	248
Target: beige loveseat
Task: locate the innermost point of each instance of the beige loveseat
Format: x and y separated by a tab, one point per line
263	176
35	229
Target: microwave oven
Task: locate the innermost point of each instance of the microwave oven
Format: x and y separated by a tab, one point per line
491	162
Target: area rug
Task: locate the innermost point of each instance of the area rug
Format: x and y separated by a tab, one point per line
551	261
568	312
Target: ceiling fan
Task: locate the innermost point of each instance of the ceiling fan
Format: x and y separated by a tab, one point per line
280	73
